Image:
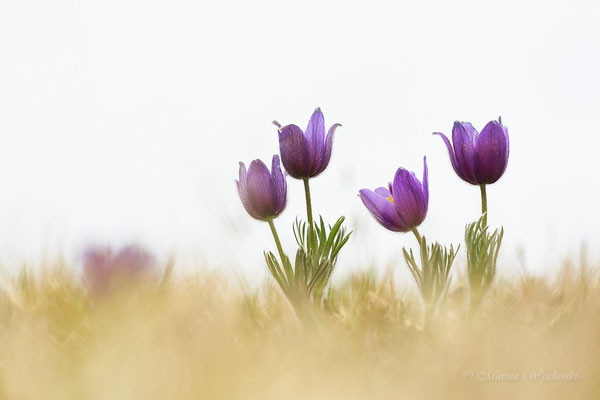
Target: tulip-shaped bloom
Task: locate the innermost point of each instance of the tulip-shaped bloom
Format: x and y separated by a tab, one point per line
263	193
403	206
478	158
306	154
104	269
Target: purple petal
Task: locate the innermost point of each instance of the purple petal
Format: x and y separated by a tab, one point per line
241	183
133	260
97	256
258	191
294	151
327	149
246	202
315	138
450	151
409	197
492	152
425	185
464	136
383	210
279	186
242	173
97	267
243	192
383	192
103	269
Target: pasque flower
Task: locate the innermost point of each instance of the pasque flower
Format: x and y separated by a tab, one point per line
103	268
306	154
478	158
403	206
263	193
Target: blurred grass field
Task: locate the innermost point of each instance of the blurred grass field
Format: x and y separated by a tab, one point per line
203	337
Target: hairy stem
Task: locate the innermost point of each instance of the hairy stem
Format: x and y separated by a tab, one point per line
417	235
425	271
308	202
277	241
311	232
483	204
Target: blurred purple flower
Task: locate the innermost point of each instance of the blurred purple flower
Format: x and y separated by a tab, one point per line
478	158
306	154
103	269
263	193
402	207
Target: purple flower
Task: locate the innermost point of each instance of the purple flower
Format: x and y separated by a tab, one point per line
402	207
306	154
103	269
478	158
263	193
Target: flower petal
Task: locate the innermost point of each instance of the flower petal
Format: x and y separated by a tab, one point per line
327	149
294	151
464	136
133	259
242	191
409	198
450	151
383	192
383	210
242	172
425	186
258	191
315	139
492	152
97	267
278	185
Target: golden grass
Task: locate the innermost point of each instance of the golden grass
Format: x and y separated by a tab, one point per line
204	338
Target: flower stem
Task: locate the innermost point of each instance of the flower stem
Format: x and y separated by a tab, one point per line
308	203
417	235
276	237
483	204
425	271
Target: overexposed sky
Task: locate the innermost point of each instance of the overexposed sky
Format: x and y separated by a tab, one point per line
125	120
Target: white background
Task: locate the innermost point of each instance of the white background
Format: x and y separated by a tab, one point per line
125	121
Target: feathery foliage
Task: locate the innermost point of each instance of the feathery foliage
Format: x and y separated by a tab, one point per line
482	256
433	277
314	263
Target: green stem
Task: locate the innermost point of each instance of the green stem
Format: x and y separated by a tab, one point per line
483	204
277	241
424	261
425	293
312	240
308	203
417	235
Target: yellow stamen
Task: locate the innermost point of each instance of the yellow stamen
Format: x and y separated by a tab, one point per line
390	199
